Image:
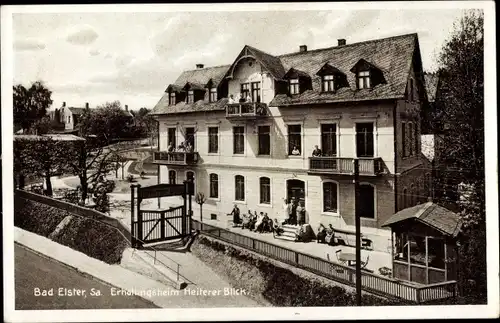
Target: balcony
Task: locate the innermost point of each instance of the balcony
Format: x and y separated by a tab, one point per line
175	158
368	166
246	111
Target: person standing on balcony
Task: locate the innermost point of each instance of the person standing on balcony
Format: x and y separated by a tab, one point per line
189	148
170	148
248	99
295	151
242	99
231	99
316	152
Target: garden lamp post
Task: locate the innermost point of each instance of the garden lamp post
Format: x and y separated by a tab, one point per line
200	199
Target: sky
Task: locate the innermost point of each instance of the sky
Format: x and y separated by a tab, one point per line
133	57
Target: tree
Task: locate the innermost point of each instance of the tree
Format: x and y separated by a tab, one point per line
42	157
462	76
30	104
147	125
107	122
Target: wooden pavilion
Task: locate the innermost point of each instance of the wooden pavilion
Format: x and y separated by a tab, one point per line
424	244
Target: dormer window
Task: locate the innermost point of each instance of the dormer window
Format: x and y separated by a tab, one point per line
294	86
327	83
190	96
213	95
171	98
363	80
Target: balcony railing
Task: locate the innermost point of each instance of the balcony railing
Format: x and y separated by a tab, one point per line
246	110
175	158
368	166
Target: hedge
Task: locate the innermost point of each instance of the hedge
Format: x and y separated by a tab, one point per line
95	239
277	285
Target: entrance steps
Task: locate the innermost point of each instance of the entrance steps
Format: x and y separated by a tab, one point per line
154	265
289	232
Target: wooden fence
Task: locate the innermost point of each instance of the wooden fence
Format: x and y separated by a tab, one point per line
375	284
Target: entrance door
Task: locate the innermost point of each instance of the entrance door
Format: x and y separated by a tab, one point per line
296	190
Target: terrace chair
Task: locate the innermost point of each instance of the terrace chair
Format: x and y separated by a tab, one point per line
332	265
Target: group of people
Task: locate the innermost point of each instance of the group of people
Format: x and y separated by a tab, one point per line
186	147
254	222
241	99
326	235
294	212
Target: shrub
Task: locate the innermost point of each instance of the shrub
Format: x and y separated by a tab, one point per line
91	237
130	178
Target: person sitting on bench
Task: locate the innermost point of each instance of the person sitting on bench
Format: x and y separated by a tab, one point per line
330	235
277	229
320	237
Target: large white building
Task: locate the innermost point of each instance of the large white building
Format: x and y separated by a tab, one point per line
357	100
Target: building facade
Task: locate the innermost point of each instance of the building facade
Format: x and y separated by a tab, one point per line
352	101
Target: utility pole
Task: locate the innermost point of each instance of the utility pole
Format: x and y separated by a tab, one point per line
358	231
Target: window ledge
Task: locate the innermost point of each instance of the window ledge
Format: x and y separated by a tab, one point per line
238	155
240	202
263	156
368	219
213	154
265	205
216	199
331	214
296	156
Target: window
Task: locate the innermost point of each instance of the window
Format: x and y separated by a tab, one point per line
171	136
330	202
213	140
190	177
239	182
213	95
327	83
404	135
410	91
171	98
238	140
329	139
410	138
415	137
190	133
245	90
294	140
364	80
172	176
264	140
69	119
190	96
294	86
367	196
256	92
265	190
364	139
214	185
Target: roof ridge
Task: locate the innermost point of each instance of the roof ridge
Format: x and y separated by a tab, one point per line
428	208
260	50
349	45
423	210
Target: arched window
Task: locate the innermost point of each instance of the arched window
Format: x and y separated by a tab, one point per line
239	183
265	190
367	196
214	185
330	197
172	177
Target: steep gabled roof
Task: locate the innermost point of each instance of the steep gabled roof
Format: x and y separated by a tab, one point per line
202	75
77	111
393	56
193	86
294	73
430	214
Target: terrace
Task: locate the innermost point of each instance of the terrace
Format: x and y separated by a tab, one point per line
246	111
175	158
368	166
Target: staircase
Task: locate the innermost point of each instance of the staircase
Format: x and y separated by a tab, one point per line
289	232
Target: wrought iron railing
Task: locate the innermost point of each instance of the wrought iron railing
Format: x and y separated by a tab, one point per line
375	284
246	109
341	165
175	158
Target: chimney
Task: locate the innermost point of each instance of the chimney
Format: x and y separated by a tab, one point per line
199	65
64	104
126	107
86	105
341	41
303	48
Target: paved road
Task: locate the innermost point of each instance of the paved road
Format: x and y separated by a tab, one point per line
34	273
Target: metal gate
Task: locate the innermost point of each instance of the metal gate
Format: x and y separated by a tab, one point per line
160	225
